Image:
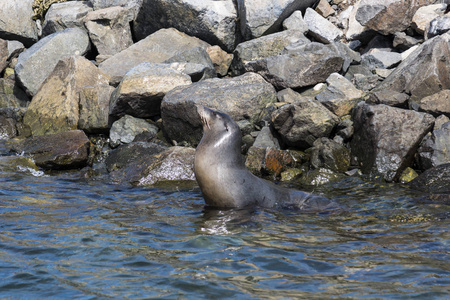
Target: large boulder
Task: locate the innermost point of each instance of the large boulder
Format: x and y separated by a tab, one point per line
156	48
261	17
35	63
299	66
210	20
109	29
75	95
301	123
64	150
242	97
142	89
388	16
17	22
424	72
65	15
386	138
263	47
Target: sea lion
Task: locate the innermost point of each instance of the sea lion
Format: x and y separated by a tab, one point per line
224	179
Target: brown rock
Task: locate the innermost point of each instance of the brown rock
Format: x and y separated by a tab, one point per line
75	95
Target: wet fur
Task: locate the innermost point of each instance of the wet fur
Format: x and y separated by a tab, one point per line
224	179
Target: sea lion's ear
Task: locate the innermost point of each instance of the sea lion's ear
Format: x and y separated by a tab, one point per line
226	126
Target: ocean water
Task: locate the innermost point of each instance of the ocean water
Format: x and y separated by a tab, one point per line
63	237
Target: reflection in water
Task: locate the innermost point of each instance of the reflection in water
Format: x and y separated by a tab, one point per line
64	238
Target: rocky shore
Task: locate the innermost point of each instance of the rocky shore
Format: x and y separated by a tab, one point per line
320	89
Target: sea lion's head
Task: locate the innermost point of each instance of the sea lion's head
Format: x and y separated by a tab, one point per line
218	126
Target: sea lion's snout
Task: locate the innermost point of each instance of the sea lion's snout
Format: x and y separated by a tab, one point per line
203	112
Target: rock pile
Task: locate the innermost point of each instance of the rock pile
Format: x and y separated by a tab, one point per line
317	87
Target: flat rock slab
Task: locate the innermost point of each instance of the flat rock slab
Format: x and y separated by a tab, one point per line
155	48
64	150
386	138
17	22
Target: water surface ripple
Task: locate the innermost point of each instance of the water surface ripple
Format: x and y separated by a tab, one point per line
62	237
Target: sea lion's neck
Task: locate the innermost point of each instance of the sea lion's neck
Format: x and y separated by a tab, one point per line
227	147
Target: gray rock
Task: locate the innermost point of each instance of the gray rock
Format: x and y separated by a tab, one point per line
109	29
174	164
266	139
435	148
425	14
199	65
386	138
65	15
17	22
100	4
424	72
290	96
8	129
36	63
260	17
381	59
387	16
75	96
440	121
306	65
155	48
390	98
300	124
435	104
434	180
355	30
142	89
3	55
14	49
328	154
320	28
264	47
242	97
340	96
209	20
404	42
11	95
64	150
438	26
148	164
296	22
125	130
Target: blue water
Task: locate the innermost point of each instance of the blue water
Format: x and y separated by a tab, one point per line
63	237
